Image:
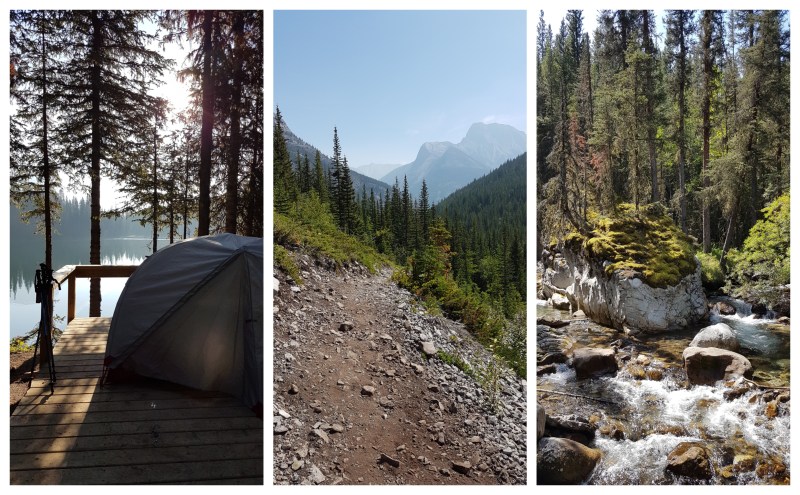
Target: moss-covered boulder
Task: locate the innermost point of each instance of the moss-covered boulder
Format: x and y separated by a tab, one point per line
635	271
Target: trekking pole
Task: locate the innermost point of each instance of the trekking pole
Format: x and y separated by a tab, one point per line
44	295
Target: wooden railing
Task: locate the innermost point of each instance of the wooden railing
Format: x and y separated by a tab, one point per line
71	272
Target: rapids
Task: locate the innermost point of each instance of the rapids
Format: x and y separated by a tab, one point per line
748	445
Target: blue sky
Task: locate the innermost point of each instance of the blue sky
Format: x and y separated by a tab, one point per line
392	80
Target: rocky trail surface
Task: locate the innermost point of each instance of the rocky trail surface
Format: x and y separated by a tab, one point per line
362	393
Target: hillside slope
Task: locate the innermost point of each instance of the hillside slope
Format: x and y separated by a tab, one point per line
356	400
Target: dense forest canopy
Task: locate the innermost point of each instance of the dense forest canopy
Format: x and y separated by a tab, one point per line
82	93
697	121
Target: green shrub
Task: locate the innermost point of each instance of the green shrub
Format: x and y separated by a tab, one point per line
284	260
310	225
20	344
711	271
759	270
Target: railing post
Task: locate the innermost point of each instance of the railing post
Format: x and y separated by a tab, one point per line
71	282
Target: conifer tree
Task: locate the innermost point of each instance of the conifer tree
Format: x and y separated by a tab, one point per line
107	79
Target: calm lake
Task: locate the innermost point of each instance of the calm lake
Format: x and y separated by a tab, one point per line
26	252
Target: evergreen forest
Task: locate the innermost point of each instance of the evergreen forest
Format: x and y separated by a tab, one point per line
689	115
83	109
464	257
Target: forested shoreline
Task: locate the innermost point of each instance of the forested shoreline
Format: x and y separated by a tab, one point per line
696	121
83	108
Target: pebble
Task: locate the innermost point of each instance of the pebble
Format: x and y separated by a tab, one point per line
428	348
316	475
296	465
293	389
368	390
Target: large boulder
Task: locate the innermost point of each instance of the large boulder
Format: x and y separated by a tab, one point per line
719	335
707	365
563	462
690	459
625	302
590	362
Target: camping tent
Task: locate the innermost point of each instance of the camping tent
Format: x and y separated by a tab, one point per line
192	314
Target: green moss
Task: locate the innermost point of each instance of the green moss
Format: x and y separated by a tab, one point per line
646	241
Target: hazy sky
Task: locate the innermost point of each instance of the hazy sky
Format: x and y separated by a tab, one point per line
392	80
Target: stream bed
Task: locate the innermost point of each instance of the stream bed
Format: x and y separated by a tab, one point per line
647	408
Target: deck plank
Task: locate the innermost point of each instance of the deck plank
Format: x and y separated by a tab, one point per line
142	432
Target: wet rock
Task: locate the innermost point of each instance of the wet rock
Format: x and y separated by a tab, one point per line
552	347
541	419
547	369
654	374
559	302
724	308
707	365
563	462
719	335
571	426
579	315
690	459
590	362
552	322
636	371
783	320
744	462
429	349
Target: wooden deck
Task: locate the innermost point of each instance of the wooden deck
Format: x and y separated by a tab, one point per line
145	432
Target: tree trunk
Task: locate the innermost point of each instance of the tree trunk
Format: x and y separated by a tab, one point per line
204	201
232	190
155	189
706	111
94	171
48	228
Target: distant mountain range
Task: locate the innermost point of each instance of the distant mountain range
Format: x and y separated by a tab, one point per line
376	170
295	144
446	167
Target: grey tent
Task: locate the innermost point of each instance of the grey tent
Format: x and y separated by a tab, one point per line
192	314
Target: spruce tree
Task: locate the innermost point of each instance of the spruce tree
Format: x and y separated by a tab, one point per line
107	79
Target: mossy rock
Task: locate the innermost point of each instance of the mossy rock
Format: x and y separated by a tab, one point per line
645	241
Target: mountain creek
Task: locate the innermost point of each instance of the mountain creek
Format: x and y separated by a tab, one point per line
638	415
362	394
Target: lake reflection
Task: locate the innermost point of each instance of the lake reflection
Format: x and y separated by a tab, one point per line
25	255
